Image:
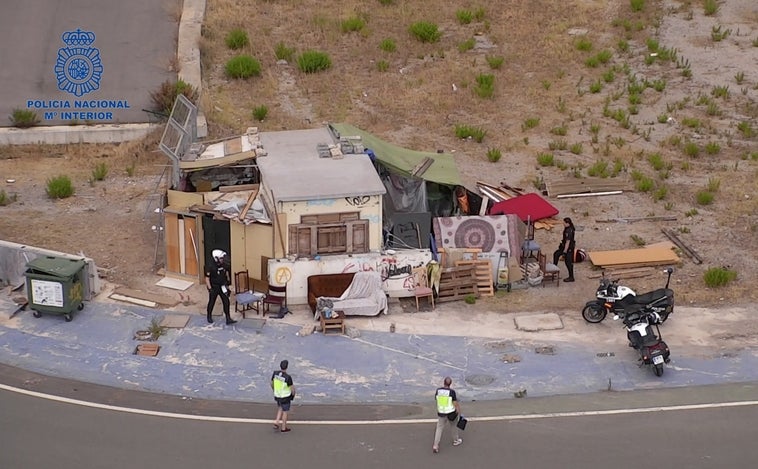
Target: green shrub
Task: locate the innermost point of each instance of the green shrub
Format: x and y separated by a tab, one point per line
609	76
470	299
663	118
100	171
691	122
660	193
466	45
425	31
24	118
656	161
691	149
236	39
546	159
467	131
6	199
388	45
718	276
464	16
559	144
494	154
746	129
387	2
59	187
637	5
243	66
260	112
598	169
604	56
704	197
596	87
353	24
530	123
382	65
623	45
713	185
583	44
282	52
710	7
131	169
312	61
485	85
712	148
644	184
495	61
561	130
576	148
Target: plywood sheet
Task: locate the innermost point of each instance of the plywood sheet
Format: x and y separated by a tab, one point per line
190	246
171	235
175	321
633	257
147	296
174	283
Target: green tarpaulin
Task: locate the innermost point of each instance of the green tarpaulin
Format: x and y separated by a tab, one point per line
442	171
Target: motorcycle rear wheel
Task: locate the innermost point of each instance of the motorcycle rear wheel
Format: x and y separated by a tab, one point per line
594	313
658	370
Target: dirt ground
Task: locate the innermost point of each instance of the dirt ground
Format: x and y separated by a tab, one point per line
426	91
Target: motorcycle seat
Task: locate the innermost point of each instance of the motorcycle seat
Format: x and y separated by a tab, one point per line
645	298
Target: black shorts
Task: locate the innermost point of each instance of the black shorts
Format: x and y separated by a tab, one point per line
284	403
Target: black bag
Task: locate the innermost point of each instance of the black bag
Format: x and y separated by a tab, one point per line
452	416
462	422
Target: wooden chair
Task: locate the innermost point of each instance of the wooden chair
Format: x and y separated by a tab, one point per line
550	271
245	298
421	287
276	296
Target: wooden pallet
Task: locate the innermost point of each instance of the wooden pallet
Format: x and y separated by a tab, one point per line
457	282
483	274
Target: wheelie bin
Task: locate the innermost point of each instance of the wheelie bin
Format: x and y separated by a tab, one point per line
54	286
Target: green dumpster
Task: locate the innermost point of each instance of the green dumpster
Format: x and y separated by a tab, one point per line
54	286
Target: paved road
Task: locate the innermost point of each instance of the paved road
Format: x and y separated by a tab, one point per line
42	433
218	362
102	77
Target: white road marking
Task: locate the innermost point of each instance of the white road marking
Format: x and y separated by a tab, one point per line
497	418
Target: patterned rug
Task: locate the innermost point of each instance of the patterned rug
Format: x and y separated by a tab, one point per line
494	233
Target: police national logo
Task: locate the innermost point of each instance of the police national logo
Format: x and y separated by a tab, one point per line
78	68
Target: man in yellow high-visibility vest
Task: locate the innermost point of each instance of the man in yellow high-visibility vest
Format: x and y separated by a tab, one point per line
284	392
448	411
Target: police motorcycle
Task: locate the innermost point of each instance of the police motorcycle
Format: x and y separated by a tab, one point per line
644	336
619	299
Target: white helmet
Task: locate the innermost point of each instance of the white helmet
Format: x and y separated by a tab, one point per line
218	254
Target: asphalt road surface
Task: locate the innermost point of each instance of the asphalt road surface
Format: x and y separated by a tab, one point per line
43	433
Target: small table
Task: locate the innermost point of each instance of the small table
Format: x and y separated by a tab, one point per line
333	323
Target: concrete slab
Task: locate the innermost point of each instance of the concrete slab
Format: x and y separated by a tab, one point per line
538	322
175	321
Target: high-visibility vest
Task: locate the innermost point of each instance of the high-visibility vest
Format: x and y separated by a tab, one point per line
444	402
281	390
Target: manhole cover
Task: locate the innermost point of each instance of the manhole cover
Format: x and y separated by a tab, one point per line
479	380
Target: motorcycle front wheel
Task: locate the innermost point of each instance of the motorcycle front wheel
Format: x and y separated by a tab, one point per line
594	313
658	370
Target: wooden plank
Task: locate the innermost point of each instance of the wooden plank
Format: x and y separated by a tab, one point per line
636	257
239	188
147	296
248	204
190	246
636	219
171	236
686	249
422	167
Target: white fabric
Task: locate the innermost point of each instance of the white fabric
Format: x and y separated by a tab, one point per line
364	296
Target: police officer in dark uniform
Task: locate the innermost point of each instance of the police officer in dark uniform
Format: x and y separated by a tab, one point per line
567	248
217	280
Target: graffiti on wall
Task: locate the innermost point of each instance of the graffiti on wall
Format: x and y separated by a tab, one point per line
358	200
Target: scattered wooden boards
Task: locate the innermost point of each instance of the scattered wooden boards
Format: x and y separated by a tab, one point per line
483	275
634	257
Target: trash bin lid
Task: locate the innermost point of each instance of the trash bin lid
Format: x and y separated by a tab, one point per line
57	266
